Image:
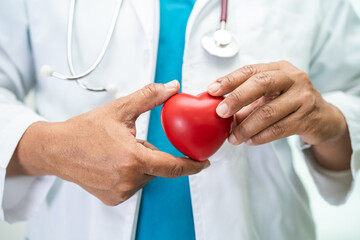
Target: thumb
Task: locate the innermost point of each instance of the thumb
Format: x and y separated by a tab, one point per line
148	97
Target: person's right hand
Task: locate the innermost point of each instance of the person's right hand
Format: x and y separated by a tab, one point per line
98	150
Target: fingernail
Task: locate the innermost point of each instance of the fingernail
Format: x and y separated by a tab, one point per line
232	139
214	87
222	109
172	85
249	141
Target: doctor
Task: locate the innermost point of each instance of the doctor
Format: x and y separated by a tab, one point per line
79	168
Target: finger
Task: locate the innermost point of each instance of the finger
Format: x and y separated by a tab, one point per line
162	164
147	98
263	117
284	128
147	144
268	84
247	110
229	82
133	191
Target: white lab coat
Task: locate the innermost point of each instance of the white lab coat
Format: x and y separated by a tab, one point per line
248	192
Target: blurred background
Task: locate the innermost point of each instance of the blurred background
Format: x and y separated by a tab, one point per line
332	222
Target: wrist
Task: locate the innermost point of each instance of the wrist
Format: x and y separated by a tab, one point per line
336	125
329	126
334	152
30	155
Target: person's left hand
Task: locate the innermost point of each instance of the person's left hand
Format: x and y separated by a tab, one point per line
273	101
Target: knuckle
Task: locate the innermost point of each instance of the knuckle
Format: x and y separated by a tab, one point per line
116	200
196	169
120	105
256	140
132	163
310	101
242	132
113	182
123	197
301	75
142	164
259	139
309	97
150	90
176	171
122	193
249	70
267	112
111	202
226	80
127	163
235	96
125	187
263	79
277	130
284	63
152	170
125	166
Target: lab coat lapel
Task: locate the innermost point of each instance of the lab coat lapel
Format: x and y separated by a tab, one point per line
198	8
148	13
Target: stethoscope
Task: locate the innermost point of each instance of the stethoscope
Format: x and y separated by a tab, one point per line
221	43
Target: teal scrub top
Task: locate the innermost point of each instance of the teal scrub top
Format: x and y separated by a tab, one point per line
165	210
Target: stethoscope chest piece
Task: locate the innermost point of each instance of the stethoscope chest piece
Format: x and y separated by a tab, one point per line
221	43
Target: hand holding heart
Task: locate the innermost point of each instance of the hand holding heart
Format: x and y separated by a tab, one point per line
273	101
98	150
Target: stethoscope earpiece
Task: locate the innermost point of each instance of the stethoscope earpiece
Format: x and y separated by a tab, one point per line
46	71
112	89
49	71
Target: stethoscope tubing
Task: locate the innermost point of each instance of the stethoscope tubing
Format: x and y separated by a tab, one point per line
77	77
224	10
103	50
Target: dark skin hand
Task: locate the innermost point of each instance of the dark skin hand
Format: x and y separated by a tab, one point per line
276	100
98	150
268	101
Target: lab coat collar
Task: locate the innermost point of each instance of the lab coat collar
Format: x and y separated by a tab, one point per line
148	11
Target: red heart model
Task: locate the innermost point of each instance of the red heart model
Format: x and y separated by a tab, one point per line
192	125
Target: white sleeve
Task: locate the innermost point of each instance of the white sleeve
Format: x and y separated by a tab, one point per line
333	186
335	72
19	196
